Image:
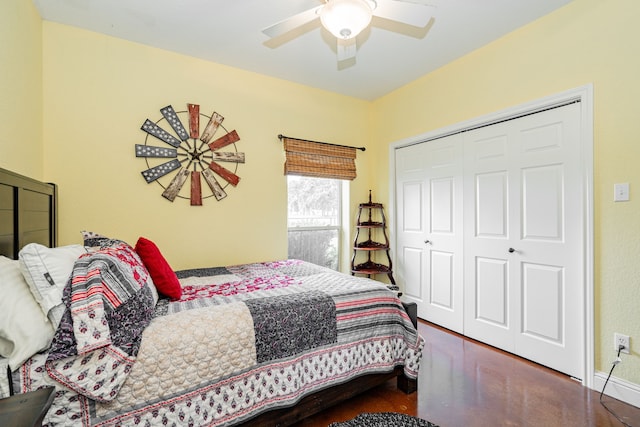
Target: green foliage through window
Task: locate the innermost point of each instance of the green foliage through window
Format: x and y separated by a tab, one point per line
314	219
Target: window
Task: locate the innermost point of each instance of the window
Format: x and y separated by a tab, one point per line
314	219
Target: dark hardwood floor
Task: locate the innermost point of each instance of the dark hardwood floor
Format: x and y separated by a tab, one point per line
466	383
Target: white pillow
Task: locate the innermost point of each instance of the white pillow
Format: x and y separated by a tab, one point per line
47	271
24	329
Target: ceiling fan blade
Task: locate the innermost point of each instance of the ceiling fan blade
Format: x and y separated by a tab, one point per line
346	49
422	2
292	22
405	11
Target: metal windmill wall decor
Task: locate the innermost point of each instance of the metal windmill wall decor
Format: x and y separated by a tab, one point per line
194	154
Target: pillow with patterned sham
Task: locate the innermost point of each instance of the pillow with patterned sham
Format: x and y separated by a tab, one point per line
94	242
24	329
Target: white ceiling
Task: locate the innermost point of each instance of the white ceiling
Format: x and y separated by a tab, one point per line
230	32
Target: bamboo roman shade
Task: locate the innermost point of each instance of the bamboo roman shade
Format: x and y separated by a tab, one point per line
310	158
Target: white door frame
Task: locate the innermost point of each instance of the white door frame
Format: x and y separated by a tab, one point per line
583	94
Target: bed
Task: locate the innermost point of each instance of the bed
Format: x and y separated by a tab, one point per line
130	342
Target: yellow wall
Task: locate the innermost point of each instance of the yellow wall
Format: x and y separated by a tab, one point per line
20	88
97	93
588	41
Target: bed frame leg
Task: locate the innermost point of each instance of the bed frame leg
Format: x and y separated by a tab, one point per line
407	384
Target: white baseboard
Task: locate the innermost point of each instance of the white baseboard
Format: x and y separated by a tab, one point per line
618	388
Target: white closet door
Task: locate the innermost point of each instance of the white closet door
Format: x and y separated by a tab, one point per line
524	219
429	235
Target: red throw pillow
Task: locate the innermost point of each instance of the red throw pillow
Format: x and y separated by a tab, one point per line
161	272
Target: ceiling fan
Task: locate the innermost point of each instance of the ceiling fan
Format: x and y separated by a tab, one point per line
345	19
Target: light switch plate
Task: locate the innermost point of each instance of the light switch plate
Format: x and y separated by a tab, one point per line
621	192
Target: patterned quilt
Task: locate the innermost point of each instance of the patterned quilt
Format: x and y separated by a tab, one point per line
241	340
109	304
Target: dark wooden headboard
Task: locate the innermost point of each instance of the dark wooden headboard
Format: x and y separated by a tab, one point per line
28	213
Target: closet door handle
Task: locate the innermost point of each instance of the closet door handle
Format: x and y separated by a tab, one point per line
427	242
511	250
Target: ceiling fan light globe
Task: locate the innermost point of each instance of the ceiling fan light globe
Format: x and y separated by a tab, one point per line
345	19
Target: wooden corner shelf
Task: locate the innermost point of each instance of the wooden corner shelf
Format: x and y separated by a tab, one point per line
369	267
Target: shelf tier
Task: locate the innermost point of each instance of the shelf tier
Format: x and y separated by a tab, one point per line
370	224
371	205
370	267
370	245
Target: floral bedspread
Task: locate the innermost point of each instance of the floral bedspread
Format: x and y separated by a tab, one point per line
243	340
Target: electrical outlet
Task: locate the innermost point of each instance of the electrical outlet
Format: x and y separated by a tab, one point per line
621	340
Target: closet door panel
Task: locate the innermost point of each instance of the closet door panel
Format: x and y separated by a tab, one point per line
411	262
431	175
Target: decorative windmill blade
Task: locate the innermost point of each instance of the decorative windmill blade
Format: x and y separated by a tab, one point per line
215	187
227	157
194	120
196	189
226	174
154	130
224	140
346	49
155	152
170	115
292	22
159	171
414	13
214	122
171	192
